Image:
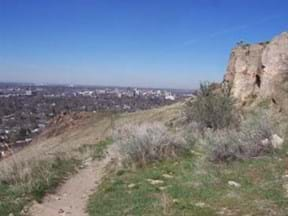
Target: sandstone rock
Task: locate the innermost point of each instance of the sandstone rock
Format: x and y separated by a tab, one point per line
260	71
244	66
277	142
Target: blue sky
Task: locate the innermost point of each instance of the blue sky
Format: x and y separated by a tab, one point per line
151	43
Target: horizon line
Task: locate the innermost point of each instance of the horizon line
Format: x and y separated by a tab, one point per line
90	85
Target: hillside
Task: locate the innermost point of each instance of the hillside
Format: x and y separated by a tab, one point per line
205	156
187	185
63	148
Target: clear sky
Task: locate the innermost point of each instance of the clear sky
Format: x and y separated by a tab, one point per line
151	43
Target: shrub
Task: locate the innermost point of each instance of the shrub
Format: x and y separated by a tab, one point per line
148	143
211	109
252	139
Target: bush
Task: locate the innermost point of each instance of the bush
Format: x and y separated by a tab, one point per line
211	109
252	139
148	143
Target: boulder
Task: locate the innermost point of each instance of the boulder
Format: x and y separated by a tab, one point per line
277	142
260	71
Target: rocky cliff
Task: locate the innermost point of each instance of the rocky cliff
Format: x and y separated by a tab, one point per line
260	71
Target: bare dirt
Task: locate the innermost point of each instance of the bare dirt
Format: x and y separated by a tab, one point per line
72	197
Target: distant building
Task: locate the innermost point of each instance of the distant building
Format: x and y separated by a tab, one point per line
28	93
136	92
170	97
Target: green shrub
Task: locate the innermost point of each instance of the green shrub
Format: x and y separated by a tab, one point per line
211	109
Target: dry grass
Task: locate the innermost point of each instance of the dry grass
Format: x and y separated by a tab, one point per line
166	203
89	130
18	170
93	128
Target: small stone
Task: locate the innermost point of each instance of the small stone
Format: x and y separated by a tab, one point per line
131	186
11	214
200	204
155	182
175	201
195	153
234	184
167	176
162	188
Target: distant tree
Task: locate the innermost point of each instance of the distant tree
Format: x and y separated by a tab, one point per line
23	133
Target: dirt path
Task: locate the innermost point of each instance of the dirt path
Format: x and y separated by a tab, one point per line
72	197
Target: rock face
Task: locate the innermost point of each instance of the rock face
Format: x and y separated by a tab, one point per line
260	71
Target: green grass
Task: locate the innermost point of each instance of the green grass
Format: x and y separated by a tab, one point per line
46	176
198	187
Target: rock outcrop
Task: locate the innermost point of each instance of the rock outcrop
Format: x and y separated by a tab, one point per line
260	71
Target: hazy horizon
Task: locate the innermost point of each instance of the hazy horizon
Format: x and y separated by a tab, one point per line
151	44
90	86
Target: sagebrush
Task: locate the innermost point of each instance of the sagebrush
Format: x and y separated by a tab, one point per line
146	143
251	139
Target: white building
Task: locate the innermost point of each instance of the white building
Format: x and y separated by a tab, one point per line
170	97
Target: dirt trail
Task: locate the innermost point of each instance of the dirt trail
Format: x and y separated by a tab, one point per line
71	198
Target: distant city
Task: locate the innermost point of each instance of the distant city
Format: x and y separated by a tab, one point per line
25	109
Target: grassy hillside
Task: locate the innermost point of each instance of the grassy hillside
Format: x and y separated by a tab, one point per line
60	151
232	165
160	179
193	186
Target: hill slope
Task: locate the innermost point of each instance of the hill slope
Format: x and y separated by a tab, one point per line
69	141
